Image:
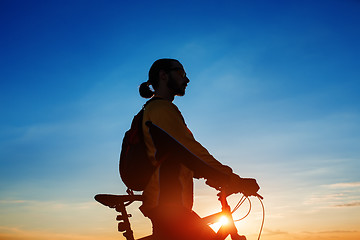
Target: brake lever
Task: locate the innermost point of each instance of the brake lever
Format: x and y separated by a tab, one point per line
259	196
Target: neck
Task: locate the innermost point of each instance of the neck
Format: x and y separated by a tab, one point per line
169	98
165	95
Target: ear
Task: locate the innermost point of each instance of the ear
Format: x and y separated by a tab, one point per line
163	76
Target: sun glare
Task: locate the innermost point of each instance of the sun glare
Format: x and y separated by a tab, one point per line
223	220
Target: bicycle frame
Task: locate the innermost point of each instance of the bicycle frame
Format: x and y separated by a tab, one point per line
120	202
225	229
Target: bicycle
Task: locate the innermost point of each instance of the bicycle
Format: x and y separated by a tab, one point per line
120	202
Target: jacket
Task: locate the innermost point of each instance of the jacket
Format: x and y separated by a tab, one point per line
172	182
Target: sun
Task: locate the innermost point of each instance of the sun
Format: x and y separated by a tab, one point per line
223	220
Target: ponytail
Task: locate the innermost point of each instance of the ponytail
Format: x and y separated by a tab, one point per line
145	90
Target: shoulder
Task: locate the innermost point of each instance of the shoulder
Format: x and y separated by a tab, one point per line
160	105
163	111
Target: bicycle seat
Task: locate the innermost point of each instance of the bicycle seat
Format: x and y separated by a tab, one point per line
113	200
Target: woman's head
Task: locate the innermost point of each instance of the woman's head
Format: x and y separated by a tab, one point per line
164	64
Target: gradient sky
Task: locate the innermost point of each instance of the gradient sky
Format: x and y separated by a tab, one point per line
274	93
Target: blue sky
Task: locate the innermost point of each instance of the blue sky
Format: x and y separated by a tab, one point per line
274	92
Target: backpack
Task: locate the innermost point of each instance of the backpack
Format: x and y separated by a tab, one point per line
135	167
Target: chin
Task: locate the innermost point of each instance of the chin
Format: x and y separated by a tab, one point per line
180	94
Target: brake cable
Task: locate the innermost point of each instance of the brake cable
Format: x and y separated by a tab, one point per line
263	220
241	201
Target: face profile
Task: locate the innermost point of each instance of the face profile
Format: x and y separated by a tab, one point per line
178	80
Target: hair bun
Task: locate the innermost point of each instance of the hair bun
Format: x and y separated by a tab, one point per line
145	90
